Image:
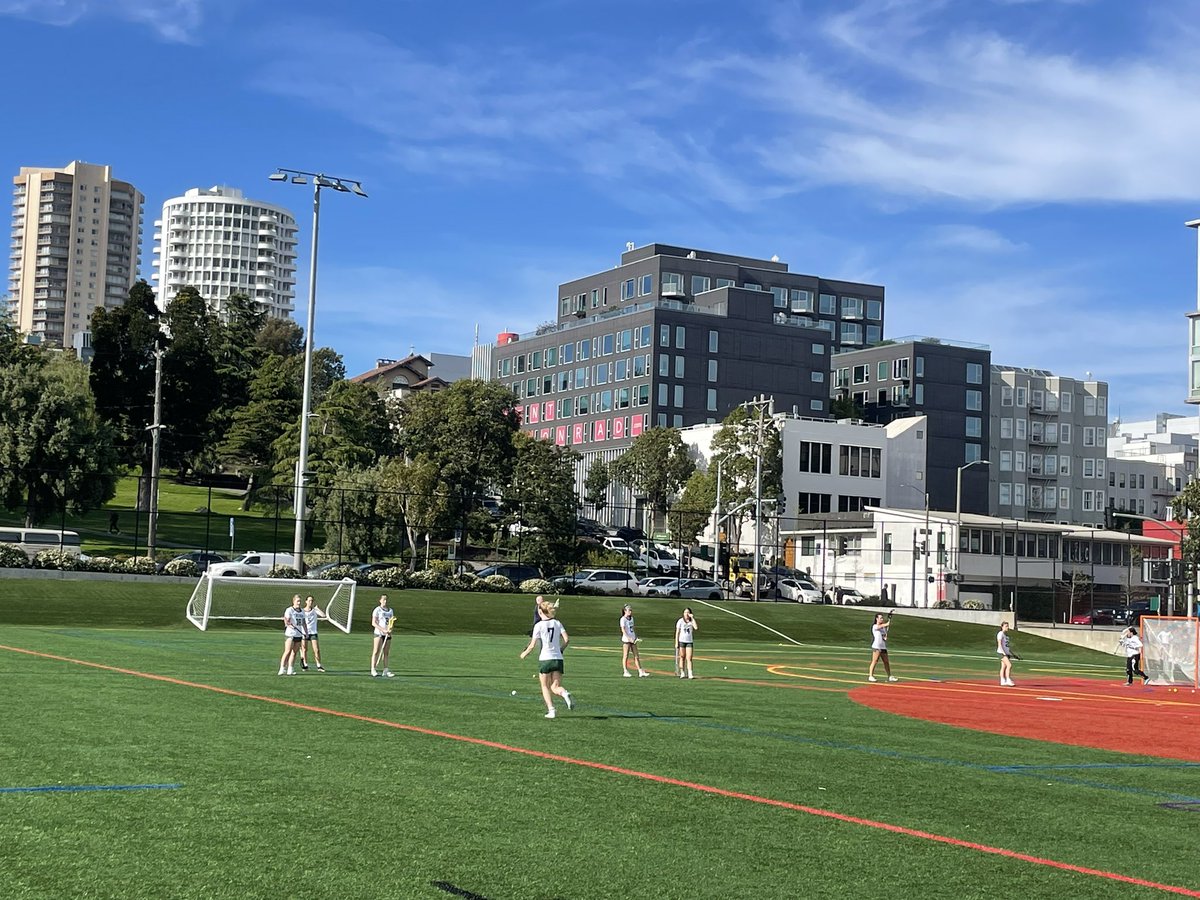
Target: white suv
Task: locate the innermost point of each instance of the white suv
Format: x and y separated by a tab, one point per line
252	563
610	581
657	560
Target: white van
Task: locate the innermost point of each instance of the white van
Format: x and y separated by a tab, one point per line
34	540
253	563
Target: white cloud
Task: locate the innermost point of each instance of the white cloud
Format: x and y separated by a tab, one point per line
972	238
172	20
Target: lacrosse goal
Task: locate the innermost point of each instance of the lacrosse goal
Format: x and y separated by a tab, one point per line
235	598
1171	650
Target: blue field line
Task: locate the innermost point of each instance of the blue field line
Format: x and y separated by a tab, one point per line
1174	765
71	788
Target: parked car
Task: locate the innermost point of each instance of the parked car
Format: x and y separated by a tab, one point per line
491	506
521	528
653	587
657	560
1094	617
849	596
695	589
319	571
610	581
799	590
588	528
741	586
513	572
1132	614
201	558
625	533
252	563
367	568
34	540
617	545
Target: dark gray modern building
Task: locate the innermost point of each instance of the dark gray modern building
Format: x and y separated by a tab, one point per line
676	337
947	382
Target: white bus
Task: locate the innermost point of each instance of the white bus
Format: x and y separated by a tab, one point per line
34	540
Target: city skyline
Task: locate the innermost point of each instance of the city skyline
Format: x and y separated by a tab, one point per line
1015	174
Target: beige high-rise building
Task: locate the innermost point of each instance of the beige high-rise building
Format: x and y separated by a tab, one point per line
76	234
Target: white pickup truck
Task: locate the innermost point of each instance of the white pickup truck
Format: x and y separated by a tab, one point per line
252	563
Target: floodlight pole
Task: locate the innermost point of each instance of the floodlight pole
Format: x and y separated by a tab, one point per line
345	185
958	524
155	439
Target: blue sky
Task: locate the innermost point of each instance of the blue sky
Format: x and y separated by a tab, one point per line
1016	172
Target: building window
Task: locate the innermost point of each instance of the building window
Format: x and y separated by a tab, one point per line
672	283
647	285
712	370
802	301
700	284
1005	497
712	400
713	341
1089	468
662	394
815	457
918	394
972	453
1022	425
1006	457
679	366
808	504
1089	434
1064	431
678	399
974	426
680	336
816	405
881	370
975	400
725	282
780	297
664	336
862	374
1019	461
863	462
828	304
664	365
1006	429
817	376
974	373
628	289
818	349
1018	495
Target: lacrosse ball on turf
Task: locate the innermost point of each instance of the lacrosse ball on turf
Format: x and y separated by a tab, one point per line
514	693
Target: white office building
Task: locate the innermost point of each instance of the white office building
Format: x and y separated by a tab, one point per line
221	243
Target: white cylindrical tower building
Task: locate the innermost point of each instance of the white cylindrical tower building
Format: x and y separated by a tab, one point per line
221	243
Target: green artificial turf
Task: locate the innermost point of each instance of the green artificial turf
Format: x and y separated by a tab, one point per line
328	798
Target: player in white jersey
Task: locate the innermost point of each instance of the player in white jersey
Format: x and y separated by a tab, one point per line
1004	650
685	637
879	636
293	636
554	639
629	644
381	648
312	616
1131	645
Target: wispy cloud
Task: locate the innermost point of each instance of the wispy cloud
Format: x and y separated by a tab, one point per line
972	238
173	20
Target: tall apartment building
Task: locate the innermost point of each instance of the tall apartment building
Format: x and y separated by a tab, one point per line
677	337
1048	447
76	233
221	243
945	381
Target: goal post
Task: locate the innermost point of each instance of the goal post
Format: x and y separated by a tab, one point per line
235	598
1171	650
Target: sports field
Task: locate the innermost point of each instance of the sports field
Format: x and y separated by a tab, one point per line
140	757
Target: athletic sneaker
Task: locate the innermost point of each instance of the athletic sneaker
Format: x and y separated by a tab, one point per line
567	697
690	675
291	671
304	667
387	673
872	678
374	674
1009	683
642	673
682	675
625	672
320	668
281	672
893	678
550	715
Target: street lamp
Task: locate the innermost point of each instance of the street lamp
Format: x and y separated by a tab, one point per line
1178	532
924	540
346	186
958	518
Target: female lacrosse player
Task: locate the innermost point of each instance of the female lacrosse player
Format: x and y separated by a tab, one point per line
293	636
554	639
312	615
381	648
1004	649
1132	645
629	644
879	635
685	633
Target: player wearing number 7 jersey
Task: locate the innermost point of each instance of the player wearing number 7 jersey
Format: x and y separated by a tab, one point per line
553	638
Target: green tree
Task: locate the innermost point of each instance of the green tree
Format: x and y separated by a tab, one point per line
736	448
249	445
595	486
121	373
238	354
845	408
355	517
56	454
542	491
411	494
12	347
692	512
467	430
191	383
655	466
1185	509
281	337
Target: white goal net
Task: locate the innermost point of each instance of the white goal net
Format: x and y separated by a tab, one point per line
265	599
1171	650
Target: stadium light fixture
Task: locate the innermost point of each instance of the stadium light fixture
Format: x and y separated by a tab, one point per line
320	180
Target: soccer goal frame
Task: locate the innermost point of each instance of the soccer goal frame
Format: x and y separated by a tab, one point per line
1171	650
241	599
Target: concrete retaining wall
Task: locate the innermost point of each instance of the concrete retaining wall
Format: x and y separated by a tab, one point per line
59	575
967	616
1103	638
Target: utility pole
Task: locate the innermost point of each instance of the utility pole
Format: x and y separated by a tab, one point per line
155	432
765	405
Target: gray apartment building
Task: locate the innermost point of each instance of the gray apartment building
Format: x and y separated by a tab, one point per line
675	337
1049	447
945	381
